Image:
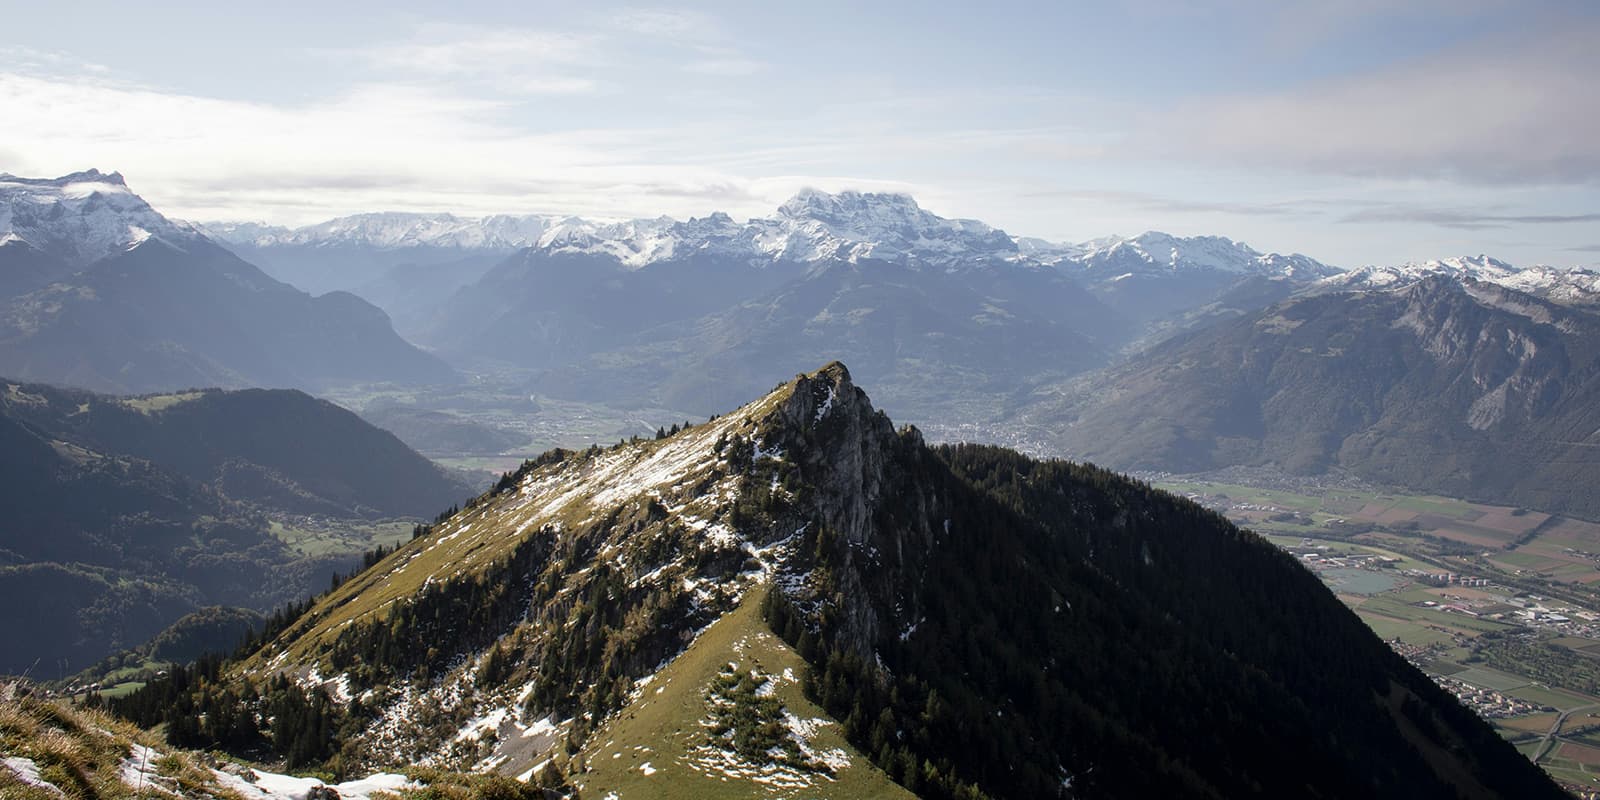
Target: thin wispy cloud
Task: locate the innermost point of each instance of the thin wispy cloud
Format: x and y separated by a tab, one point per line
516	61
1460	218
725	64
1153	202
1516	110
32	60
667	24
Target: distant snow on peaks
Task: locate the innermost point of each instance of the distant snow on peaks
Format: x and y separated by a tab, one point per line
1565	286
83	217
1156	252
392	230
891	227
812	226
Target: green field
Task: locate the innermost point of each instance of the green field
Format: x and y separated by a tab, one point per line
343	538
1395	607
1558	698
1360	581
1406	631
1491	679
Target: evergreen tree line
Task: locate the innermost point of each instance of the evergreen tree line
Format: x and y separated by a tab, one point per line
1081	634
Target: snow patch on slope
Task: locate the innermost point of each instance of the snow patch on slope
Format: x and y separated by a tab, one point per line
27	771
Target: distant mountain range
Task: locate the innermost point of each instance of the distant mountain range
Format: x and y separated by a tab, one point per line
964	327
103	292
125	513
1443	383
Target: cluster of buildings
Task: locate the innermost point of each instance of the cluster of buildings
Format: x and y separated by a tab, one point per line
1446	578
1320	557
1488	703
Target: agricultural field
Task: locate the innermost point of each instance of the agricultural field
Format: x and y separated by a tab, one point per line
313	537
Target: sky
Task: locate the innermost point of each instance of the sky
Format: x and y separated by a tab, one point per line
1356	132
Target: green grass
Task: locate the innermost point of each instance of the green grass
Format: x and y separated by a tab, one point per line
1559	698
1414	633
1492	679
122	689
151	404
1395	607
662	728
1432	504
1527	560
343	538
1569	771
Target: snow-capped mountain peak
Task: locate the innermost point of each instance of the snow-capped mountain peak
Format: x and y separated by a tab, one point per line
812	226
847	207
82	217
1154	251
815	225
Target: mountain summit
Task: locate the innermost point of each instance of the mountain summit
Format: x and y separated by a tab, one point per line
799	597
82	217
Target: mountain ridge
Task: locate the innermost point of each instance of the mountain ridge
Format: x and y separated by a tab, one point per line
1132	623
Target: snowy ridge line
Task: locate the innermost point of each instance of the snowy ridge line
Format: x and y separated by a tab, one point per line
1564	286
83	217
812	226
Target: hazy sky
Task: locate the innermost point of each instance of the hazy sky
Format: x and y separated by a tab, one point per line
1350	131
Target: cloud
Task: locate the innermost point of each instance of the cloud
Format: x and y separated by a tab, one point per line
668	24
33	61
1153	202
514	60
1587	248
1511	111
1460	219
728	66
1291	24
374	146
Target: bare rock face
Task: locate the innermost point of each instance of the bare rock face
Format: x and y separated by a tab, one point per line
842	440
854	464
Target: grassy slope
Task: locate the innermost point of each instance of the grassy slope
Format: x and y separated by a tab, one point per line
89	754
472	540
662	727
82	753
